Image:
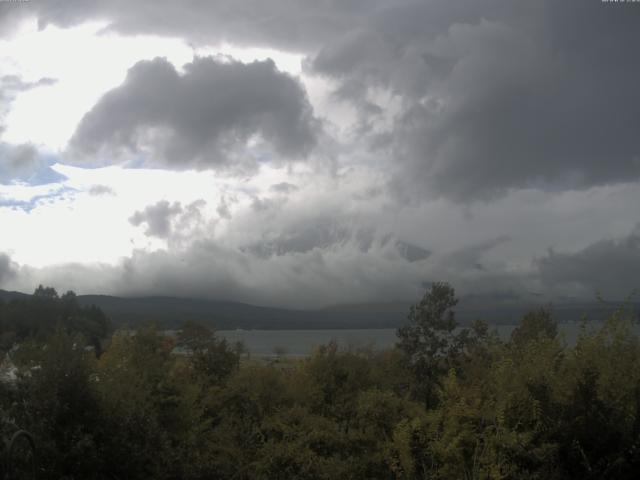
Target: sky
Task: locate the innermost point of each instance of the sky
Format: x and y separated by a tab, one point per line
310	153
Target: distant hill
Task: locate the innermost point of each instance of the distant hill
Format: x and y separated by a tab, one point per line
223	315
170	312
8	296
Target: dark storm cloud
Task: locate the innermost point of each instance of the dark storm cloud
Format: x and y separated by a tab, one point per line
610	267
499	95
201	118
298	25
493	94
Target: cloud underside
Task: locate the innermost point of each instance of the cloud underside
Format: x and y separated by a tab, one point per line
288	25
203	118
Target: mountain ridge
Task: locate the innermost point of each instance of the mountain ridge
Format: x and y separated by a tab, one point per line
171	312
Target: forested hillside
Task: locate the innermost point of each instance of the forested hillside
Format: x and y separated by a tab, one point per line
171	312
444	404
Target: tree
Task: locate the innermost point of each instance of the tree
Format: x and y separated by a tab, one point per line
535	325
212	358
57	403
140	404
39	315
48	293
429	340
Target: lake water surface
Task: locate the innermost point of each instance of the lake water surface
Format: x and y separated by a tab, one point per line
265	343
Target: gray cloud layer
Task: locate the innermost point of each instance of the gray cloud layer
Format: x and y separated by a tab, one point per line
464	101
209	269
610	267
202	118
299	25
494	94
320	259
499	96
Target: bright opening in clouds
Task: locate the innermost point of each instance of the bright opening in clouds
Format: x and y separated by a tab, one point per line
314	153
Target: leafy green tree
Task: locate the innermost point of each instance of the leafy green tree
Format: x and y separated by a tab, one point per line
211	357
536	324
430	341
56	402
600	388
45	293
38	316
139	404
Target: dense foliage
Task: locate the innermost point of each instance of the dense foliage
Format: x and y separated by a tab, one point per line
447	403
37	316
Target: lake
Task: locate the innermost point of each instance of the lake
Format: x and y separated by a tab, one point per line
265	343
